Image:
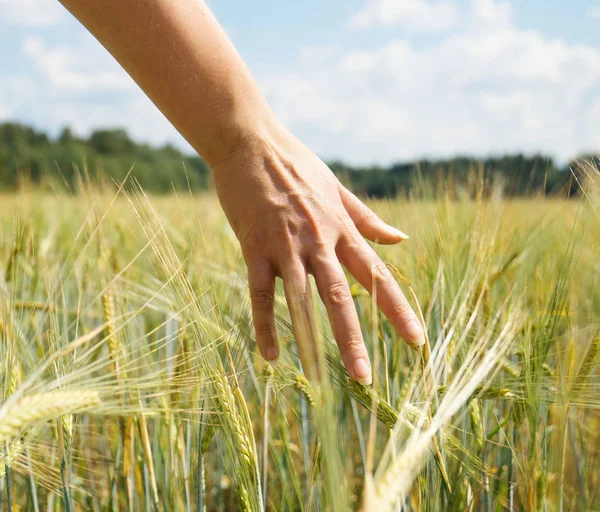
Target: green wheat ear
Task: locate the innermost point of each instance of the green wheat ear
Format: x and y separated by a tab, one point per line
8	457
304	387
589	362
210	429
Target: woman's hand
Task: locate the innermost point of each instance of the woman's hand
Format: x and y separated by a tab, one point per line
292	217
290	213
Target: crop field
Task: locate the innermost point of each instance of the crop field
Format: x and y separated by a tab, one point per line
131	381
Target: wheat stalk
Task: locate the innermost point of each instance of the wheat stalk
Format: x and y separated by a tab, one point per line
428	372
402	469
485	393
108	310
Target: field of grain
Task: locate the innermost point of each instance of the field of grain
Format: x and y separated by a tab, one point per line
130	378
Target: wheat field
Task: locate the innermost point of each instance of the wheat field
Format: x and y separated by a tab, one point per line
130	377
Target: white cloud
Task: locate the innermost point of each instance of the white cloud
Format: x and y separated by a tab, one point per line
491	13
478	91
594	12
142	120
31	13
86	68
83	86
415	15
17	91
487	86
4	113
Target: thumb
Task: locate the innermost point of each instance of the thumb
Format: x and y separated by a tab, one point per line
367	222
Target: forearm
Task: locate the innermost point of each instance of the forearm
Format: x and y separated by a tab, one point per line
179	55
290	213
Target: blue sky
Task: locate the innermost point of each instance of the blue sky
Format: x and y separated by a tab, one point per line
366	81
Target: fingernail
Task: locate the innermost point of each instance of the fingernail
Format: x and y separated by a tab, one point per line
415	333
272	355
362	372
401	234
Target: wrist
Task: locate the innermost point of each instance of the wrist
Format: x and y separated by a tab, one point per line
247	128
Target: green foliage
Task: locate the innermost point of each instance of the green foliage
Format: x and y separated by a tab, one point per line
30	156
27	155
519	174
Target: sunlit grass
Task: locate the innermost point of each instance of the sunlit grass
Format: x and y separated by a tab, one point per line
131	379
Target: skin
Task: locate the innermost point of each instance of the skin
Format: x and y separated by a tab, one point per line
299	219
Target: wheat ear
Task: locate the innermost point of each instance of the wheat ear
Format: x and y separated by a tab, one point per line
303	387
15	415
13	450
587	365
233	418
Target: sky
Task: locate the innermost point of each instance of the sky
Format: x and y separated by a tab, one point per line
363	81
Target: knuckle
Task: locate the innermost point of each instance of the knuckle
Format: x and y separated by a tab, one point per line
320	259
262	297
339	293
251	237
346	234
402	311
319	242
353	345
352	241
380	272
286	245
299	297
264	331
366	214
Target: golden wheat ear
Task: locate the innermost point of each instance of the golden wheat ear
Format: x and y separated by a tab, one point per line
30	409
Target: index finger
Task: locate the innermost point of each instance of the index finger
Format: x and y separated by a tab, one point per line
368	269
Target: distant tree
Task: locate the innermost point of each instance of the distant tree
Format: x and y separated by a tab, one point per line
16	135
108	154
66	136
111	142
169	149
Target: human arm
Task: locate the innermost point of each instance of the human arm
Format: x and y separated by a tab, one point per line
289	212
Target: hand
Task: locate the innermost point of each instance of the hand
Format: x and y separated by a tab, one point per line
292	217
288	210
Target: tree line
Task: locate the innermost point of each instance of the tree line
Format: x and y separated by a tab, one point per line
29	156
